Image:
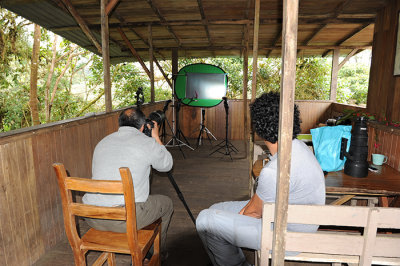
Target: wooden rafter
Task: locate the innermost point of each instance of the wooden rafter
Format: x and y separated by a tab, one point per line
275	42
203	18
111	5
133	51
222	22
351	34
82	24
162	19
335	14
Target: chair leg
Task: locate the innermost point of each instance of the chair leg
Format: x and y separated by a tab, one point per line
111	259
79	258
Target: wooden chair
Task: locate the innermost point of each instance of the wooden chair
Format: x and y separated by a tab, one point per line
337	247
134	242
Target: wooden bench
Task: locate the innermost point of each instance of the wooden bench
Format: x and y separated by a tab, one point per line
364	248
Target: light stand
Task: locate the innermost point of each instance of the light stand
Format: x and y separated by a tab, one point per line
226	145
204	129
176	132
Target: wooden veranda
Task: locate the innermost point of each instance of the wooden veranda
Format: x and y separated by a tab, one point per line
31	220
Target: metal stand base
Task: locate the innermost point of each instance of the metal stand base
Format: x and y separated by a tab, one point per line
226	148
226	145
204	129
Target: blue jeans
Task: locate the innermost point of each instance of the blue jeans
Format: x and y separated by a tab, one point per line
224	231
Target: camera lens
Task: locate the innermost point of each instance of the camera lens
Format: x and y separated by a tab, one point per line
157	116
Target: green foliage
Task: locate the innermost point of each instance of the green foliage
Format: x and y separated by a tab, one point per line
353	84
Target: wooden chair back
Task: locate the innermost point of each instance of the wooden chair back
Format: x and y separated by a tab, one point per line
365	248
134	242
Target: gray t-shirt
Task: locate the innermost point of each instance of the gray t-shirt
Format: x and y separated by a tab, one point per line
307	182
128	147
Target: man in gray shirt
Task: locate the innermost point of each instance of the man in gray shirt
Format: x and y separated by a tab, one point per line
129	147
227	226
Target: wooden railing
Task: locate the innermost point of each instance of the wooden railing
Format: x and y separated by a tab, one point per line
311	113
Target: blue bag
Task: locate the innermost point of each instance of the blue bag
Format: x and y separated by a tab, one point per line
327	144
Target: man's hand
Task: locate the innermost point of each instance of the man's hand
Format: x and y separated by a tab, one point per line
253	208
154	133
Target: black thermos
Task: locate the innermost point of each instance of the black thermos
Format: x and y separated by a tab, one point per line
356	164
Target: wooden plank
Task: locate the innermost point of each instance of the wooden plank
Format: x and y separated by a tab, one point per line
106	55
97	186
8	248
19	254
286	112
28	196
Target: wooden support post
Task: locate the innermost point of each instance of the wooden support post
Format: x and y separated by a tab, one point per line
334	74
255	49
106	55
245	105
254	78
152	94
286	112
174	63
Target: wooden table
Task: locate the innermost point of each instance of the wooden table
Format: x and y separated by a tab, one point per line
383	184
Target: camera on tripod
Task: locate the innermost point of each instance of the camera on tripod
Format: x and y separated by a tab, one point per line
158	116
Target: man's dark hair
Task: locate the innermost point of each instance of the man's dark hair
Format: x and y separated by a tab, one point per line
265	117
131	117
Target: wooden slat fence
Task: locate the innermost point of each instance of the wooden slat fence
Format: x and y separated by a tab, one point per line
311	113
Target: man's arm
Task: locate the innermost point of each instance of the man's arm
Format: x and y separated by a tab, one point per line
253	208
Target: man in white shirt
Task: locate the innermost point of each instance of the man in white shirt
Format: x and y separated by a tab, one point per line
130	147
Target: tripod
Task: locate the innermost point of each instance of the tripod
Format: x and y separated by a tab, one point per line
226	144
204	129
177	133
180	195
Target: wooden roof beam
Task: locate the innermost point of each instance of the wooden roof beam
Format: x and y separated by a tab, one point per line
111	5
265	48
134	52
336	13
83	25
219	22
275	42
203	18
348	36
162	19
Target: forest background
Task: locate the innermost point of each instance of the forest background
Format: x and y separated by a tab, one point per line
45	78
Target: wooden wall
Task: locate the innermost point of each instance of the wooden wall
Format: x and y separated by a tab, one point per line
31	220
388	140
384	88
311	113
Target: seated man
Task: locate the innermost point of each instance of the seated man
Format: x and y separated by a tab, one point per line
129	147
227	226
